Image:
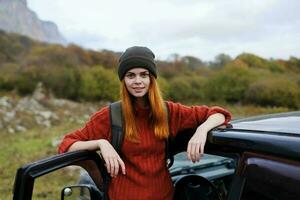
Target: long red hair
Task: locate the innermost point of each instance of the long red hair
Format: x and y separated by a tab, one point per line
158	112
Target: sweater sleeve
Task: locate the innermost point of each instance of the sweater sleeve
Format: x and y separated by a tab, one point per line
98	127
184	117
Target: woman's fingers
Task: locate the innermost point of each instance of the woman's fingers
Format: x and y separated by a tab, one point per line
202	150
112	160
197	152
122	165
194	151
112	166
189	151
107	165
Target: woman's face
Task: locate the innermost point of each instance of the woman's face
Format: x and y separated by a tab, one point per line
137	81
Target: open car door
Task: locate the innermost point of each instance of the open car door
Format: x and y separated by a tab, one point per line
27	175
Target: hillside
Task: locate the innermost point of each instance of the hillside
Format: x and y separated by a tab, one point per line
15	16
83	75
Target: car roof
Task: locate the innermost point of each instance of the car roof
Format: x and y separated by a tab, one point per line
281	123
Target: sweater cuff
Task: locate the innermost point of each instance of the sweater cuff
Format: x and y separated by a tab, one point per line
64	146
216	109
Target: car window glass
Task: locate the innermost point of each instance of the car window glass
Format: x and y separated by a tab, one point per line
49	186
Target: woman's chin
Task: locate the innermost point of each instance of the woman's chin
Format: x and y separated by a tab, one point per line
138	95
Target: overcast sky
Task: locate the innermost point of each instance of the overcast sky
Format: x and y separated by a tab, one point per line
201	28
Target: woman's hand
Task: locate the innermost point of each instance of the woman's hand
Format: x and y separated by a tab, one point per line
195	149
111	158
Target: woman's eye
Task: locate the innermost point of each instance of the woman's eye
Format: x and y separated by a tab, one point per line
130	75
144	75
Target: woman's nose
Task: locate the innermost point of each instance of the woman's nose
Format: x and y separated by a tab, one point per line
138	79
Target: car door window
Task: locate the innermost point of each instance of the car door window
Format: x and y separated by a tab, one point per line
50	185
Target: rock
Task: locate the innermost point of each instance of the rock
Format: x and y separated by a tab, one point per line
55	142
45	114
64	103
8	116
92	109
80	121
20	128
5	102
20	114
39	92
67	113
58	102
29	104
42	122
11	130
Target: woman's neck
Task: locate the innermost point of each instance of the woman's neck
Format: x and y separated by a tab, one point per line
141	102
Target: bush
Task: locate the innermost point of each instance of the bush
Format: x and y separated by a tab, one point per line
63	81
186	88
179	89
274	92
8	77
54	55
98	83
164	87
254	61
229	84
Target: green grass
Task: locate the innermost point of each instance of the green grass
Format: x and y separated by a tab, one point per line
22	148
239	111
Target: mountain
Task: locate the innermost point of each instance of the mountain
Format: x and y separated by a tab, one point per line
15	16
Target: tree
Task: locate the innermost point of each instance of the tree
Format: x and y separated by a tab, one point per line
221	60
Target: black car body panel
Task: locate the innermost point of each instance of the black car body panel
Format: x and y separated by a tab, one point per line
288	123
265	140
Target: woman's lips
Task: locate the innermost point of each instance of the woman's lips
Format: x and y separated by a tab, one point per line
139	89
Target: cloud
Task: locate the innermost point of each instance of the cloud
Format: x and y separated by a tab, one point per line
199	28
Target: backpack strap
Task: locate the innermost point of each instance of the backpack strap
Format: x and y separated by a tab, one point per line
169	157
117	135
116	119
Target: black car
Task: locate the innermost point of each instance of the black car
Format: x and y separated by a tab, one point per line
254	158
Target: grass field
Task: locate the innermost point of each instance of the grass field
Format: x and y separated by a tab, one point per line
21	148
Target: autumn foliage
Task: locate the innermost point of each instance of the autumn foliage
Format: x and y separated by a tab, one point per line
80	74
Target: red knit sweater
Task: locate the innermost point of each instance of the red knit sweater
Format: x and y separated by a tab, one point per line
147	176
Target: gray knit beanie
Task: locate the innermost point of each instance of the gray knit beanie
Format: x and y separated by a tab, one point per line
137	56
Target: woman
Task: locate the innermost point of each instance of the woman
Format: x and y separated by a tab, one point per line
140	172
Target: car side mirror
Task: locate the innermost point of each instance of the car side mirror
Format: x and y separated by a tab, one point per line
81	192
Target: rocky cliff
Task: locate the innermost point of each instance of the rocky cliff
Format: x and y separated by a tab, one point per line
16	17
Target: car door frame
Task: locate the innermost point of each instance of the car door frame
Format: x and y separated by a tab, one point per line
26	175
